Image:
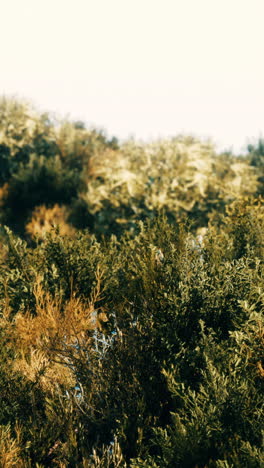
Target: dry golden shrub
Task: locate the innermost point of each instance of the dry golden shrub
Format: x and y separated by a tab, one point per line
111	456
35	366
45	219
56	336
3	194
10	448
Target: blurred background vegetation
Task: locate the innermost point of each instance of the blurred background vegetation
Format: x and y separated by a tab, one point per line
106	186
131	299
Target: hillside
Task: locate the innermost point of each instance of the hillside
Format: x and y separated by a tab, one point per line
131	299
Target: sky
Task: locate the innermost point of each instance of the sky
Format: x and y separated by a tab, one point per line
146	69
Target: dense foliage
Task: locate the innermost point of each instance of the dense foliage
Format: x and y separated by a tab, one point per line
131	299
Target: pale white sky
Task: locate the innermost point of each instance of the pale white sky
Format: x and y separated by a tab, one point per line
147	68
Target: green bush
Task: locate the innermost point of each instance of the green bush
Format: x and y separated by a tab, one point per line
175	371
